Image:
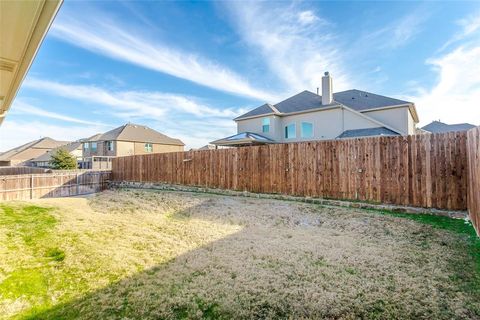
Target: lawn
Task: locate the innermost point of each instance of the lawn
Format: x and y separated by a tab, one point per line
169	255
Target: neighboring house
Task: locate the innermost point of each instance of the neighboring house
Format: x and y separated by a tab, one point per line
43	161
22	156
129	139
440	127
309	116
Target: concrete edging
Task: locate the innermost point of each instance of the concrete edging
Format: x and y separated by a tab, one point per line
321	201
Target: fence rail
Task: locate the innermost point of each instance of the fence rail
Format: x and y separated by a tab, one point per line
423	170
4	171
473	156
55	184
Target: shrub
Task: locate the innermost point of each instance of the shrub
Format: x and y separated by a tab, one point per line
62	159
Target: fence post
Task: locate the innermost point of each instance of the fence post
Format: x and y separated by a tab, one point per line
31	186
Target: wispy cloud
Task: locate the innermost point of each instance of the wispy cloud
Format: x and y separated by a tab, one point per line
469	28
297	44
396	34
455	96
17	132
180	116
102	35
21	107
406	28
139	103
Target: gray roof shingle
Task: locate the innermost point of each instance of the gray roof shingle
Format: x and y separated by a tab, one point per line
137	133
306	100
357	133
263	109
362	100
439	127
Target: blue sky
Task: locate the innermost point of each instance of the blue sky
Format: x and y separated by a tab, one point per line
187	68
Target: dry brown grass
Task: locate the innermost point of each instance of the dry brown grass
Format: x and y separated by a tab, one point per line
149	255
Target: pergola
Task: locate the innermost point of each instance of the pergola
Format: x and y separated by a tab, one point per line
243	139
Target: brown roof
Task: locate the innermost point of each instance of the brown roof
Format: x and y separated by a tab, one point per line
31	149
69	147
137	133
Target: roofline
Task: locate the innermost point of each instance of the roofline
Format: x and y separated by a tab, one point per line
280	114
172	144
271	106
330	107
256	116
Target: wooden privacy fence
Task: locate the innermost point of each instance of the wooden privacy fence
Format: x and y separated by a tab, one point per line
56	184
423	170
4	171
473	158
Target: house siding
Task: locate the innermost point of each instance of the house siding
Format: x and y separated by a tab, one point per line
255	125
128	148
157	148
327	124
397	118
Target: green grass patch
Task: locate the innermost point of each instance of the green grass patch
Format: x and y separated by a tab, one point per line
24	283
30	223
55	254
458	226
466	271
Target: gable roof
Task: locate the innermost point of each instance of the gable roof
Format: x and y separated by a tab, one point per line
439	127
266	108
362	100
357	133
306	100
69	147
31	149
137	133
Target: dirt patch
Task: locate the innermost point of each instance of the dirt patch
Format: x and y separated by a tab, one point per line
186	255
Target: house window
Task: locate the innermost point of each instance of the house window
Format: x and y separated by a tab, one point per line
307	130
266	125
148	147
110	145
94	147
85	146
290	131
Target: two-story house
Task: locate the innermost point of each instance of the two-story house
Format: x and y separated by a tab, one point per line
310	116
129	139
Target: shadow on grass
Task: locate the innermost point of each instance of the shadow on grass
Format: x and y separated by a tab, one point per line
274	271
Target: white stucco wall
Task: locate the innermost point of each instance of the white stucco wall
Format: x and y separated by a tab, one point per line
412	126
255	125
397	118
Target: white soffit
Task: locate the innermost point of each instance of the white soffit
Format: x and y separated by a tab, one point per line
23	25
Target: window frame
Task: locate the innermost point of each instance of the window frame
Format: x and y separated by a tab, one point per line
264	125
294	131
301	130
92	148
148	147
110	146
